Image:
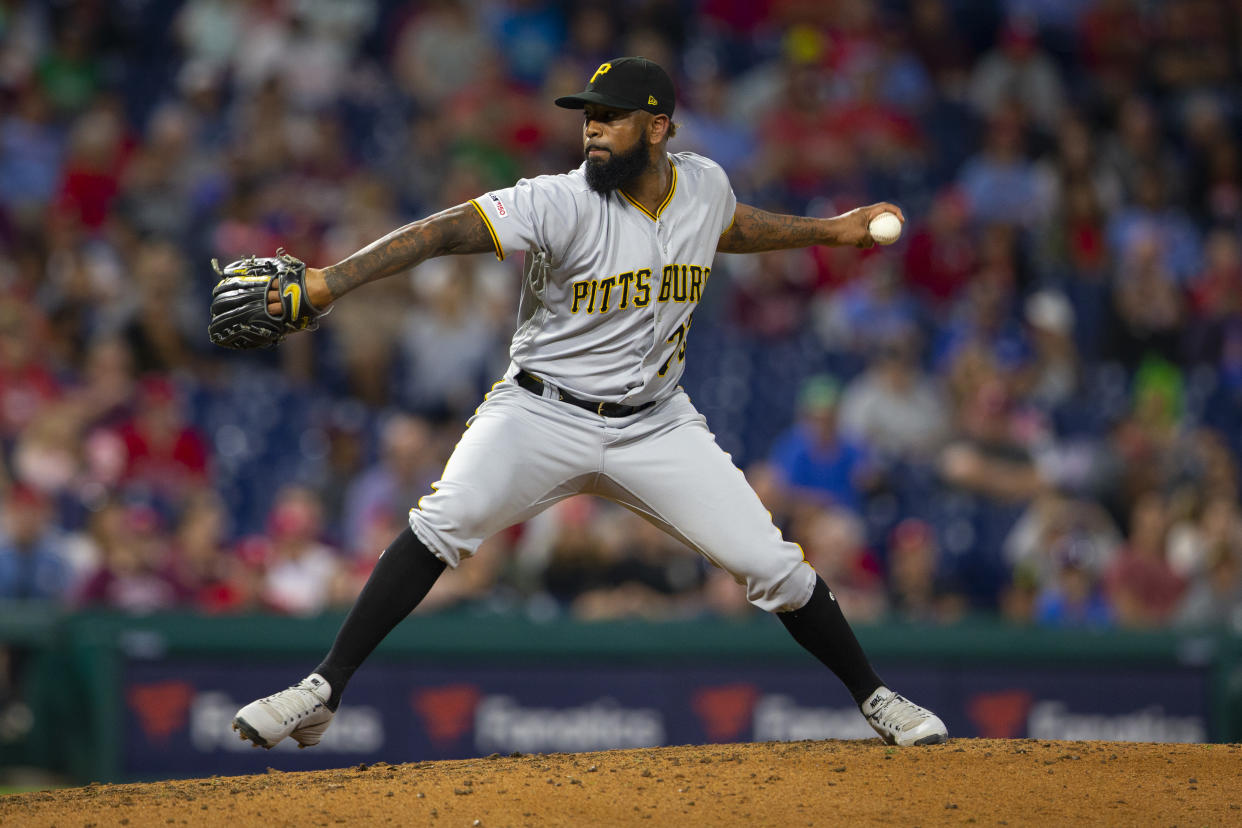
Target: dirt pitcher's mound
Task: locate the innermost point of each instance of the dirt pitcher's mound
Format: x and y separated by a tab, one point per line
980	781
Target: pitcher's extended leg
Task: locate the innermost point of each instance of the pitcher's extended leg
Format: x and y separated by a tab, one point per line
519	455
401	578
681	480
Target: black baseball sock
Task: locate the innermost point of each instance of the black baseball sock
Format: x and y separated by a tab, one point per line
402	577
823	631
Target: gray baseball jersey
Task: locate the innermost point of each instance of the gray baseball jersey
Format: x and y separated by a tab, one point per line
610	287
606	306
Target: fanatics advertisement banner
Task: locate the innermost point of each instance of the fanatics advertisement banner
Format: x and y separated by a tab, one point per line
178	711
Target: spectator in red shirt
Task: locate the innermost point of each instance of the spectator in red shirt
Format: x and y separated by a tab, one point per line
941	254
1113	43
1142	587
133	557
800	150
1216	292
98	148
883	136
164	454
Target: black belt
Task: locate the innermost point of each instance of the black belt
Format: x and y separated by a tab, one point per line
604	409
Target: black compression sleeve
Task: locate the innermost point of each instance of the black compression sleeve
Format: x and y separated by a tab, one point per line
401	579
821	628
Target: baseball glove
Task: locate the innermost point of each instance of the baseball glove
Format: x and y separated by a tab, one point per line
239	314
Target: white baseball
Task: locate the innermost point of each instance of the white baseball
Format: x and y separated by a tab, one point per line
885	228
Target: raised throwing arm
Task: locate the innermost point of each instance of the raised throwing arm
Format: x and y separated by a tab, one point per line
754	230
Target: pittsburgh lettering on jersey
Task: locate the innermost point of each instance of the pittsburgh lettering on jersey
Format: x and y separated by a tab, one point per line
632	288
678	283
682	283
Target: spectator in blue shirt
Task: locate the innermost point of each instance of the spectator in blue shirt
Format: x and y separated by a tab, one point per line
1075	598
1150	220
812	461
999	181
33	566
530	34
31	150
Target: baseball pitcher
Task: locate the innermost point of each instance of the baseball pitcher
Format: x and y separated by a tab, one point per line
617	255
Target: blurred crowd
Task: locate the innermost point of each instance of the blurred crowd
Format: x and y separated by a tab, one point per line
1029	407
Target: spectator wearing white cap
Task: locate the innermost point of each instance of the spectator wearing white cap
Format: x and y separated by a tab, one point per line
894	407
1051	377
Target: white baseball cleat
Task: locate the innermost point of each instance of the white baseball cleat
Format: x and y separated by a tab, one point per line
301	712
900	721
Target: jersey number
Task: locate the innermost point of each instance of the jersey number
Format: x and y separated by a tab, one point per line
678	338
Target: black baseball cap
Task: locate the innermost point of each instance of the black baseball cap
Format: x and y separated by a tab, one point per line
626	83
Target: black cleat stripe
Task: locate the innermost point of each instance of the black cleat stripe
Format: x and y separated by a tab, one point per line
250	733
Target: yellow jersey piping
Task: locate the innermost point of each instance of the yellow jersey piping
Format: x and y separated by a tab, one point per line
659	210
491	231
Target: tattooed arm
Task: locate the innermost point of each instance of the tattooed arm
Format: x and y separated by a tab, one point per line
754	230
456	230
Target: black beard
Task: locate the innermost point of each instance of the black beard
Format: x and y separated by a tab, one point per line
620	169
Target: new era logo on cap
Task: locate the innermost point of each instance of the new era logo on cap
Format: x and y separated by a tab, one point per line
626	83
